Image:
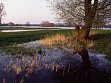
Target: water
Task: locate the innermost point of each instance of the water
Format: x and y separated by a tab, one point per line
38	28
19	30
56	66
106	28
42	27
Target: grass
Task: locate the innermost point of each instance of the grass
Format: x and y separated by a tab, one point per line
22	37
54	39
8	40
19	51
100	38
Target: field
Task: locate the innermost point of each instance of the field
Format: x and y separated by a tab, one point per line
101	38
22	37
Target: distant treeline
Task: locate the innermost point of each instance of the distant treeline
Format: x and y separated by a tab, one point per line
47	24
108	26
42	25
20	24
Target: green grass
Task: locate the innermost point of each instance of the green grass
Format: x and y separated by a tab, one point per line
9	40
22	37
102	39
19	51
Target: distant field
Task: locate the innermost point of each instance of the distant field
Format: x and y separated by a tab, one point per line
10	38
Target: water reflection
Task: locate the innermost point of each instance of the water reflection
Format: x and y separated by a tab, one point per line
72	76
58	66
18	30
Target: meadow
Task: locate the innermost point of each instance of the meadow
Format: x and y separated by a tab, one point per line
101	38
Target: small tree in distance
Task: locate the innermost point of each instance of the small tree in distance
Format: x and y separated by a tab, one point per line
27	23
2	12
47	24
11	24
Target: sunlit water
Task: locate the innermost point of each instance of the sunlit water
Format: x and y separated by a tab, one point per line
42	68
18	30
36	28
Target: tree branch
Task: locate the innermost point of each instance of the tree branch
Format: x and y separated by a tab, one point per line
104	6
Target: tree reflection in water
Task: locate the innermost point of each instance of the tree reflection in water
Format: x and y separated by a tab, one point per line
73	71
83	74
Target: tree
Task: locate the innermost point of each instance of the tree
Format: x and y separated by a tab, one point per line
83	12
2	12
28	23
103	16
47	24
11	24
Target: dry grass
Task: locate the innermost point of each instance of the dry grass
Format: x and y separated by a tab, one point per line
53	40
93	32
70	42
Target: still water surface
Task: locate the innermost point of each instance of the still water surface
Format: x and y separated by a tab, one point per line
38	28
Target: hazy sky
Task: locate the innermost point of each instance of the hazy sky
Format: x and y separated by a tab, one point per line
21	11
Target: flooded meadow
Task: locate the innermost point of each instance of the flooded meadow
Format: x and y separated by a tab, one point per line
52	65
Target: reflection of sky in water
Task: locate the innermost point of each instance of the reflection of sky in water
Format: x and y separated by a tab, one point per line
53	59
53	56
17	30
36	27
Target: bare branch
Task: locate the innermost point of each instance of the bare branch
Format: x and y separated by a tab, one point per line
104	5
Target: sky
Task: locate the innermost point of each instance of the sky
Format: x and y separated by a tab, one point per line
22	11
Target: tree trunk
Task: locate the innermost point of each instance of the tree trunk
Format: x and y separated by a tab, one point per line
85	68
0	21
83	34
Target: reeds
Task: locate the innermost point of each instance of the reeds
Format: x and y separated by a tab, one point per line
53	40
70	42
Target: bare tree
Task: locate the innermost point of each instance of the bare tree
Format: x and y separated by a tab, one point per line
83	12
2	12
87	13
27	23
47	24
11	24
68	10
